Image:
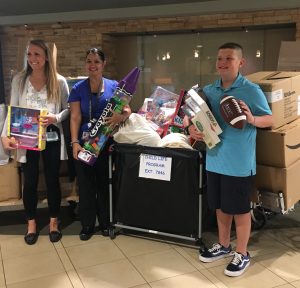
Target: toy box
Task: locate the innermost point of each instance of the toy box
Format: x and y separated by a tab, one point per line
202	123
201	116
23	124
159	109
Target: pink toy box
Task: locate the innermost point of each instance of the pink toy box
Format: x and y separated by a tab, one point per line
24	125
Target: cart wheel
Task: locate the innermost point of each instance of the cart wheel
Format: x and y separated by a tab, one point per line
259	218
201	245
112	234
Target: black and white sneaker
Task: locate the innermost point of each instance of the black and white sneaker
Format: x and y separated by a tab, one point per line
216	252
238	265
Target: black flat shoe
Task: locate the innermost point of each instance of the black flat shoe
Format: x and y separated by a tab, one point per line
55	236
105	232
104	229
86	233
31	238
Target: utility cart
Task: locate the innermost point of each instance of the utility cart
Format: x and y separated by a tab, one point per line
167	202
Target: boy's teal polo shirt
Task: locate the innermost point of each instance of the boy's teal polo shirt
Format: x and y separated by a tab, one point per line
235	155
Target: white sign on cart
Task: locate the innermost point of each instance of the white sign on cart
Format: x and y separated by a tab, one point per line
155	167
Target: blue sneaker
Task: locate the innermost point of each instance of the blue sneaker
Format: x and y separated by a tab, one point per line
238	265
215	253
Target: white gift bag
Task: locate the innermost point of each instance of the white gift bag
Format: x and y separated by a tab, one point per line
137	130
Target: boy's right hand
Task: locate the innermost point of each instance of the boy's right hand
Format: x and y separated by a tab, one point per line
195	134
9	143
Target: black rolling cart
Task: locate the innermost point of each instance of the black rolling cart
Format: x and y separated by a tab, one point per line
171	208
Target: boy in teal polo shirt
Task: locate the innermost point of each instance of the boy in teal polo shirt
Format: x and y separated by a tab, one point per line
231	165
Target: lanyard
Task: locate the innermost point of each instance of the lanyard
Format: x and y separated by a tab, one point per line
90	98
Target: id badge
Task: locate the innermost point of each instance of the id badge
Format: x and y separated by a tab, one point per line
51	136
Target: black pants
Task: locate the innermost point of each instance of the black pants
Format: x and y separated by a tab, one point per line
94	190
51	163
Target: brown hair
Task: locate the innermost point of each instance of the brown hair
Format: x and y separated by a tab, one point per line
232	45
52	86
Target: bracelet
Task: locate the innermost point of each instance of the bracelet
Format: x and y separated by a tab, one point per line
73	142
254	121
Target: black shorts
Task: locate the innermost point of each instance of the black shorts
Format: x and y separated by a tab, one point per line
228	193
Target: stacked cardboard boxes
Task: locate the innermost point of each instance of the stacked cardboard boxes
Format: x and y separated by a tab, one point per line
278	150
278	158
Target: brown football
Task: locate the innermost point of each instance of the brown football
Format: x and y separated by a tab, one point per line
232	112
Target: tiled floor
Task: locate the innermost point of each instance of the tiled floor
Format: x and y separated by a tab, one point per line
130	261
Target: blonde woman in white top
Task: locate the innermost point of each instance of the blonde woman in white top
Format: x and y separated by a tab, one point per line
39	86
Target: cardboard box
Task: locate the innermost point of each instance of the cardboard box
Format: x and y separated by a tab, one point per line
24	126
279	147
285	180
10	182
282	90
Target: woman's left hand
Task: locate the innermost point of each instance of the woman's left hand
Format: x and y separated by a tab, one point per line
48	119
115	119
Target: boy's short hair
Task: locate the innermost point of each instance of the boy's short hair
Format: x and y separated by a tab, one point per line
231	45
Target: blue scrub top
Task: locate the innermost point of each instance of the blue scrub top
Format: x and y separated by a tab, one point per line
81	92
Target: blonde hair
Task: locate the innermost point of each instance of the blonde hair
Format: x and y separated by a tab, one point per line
52	85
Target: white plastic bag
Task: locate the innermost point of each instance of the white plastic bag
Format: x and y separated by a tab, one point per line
137	130
176	140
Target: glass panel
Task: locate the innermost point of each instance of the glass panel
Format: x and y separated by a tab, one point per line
182	60
178	61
